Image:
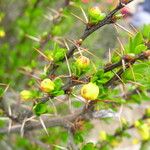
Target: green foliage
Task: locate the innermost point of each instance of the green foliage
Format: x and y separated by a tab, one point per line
40	108
58	84
136	44
89	146
146	31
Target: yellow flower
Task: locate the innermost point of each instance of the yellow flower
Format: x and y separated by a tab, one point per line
144	131
2	33
135	141
114	143
26	95
47	85
137	124
90	91
83	62
103	135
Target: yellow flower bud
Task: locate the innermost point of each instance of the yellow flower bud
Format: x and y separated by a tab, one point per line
82	62
135	141
26	95
47	85
103	135
94	12
137	124
2	33
95	15
144	131
114	143
90	91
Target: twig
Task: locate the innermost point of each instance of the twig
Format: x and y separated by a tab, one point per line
89	31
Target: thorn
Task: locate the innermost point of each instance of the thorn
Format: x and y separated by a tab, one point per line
132	72
60	147
78	48
33	38
43	125
119	77
123	65
122	47
80	99
79	18
134	28
23	124
130	33
109	56
55	109
84	14
68	65
22	127
67	46
10	125
42	54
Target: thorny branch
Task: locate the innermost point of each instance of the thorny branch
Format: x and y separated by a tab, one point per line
88	31
66	121
129	60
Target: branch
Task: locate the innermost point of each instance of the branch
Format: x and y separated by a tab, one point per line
63	121
128	61
89	31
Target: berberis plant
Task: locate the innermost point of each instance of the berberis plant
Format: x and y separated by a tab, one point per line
56	108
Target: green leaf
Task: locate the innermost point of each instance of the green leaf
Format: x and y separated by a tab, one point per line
22	142
57	92
134	42
140	48
58	83
1	92
89	146
40	108
59	54
138	71
146	31
78	137
138	39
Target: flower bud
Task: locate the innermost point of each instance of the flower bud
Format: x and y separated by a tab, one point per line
144	131
94	12
135	141
137	124
95	15
103	135
147	112
47	85
90	91
2	33
26	95
83	62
